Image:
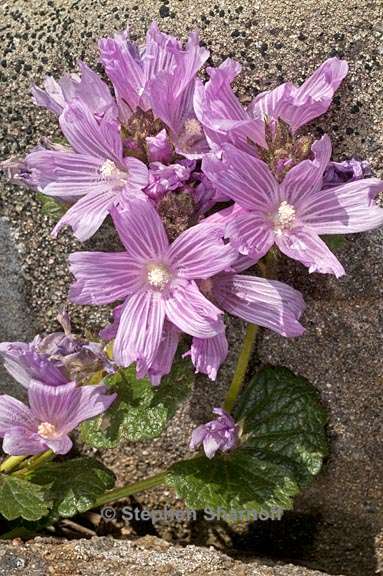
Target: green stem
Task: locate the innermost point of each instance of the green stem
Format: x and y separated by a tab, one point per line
119	493
11	462
241	368
265	266
35	462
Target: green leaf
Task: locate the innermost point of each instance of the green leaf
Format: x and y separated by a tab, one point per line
334	241
51	207
20	498
235	481
73	485
141	411
284	421
282	446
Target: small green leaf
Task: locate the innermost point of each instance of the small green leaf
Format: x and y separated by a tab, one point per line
51	207
334	241
20	498
284	421
141	411
73	485
235	481
282	446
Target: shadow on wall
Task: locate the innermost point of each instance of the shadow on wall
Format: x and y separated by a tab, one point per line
294	539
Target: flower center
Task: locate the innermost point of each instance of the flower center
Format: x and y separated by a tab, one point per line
193	127
108	169
284	218
158	276
47	430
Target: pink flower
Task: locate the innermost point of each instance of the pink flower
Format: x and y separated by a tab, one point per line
292	214
54	412
225	120
219	434
156	281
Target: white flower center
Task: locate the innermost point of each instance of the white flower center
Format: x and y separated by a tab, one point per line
284	218
158	276
193	127
108	169
47	430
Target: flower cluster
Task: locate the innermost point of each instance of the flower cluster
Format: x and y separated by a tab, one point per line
159	150
52	368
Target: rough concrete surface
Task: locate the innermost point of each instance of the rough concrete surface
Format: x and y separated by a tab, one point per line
336	521
144	557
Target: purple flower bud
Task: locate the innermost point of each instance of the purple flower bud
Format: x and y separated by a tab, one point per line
159	148
338	173
55	358
220	434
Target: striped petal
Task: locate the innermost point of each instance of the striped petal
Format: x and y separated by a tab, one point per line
140	229
245	179
192	313
250	234
200	252
207	354
305	179
303	244
139	333
347	208
15	413
87	214
103	277
267	303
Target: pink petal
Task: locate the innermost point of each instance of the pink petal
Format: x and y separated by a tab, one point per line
200	252
346	208
192	313
124	66
268	103
140	229
314	97
137	175
140	330
15	413
103	277
245	179
61	445
52	403
87	214
110	331
303	244
305	179
65	174
20	441
87	136
267	303
163	361
207	354
221	113
67	405
250	234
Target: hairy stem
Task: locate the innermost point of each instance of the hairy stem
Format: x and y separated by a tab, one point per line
265	266
35	462
11	463
241	368
119	493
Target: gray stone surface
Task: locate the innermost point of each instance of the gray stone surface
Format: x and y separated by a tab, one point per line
337	520
145	557
15	313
